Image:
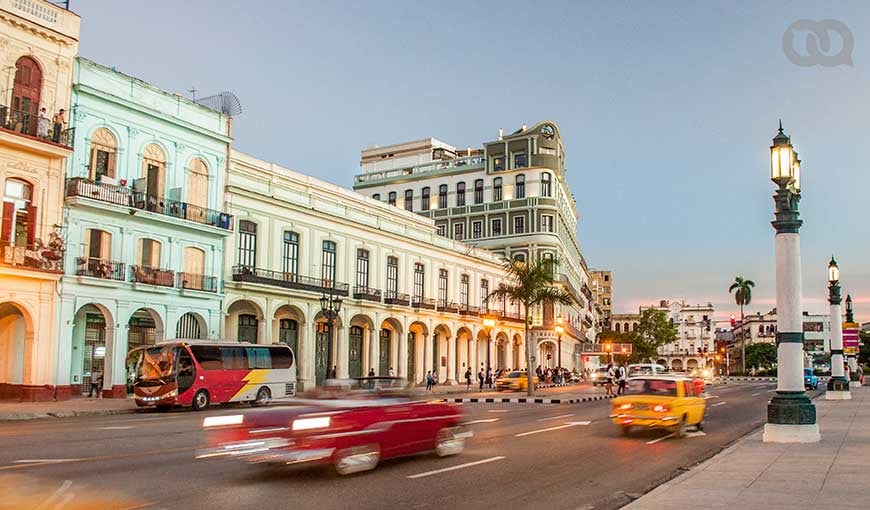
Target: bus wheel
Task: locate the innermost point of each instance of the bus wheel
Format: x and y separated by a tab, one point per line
263	396
201	400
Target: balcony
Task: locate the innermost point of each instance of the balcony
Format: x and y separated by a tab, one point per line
34	257
424	303
126	197
32	126
394	298
366	293
152	276
288	280
101	268
443	306
433	168
200	282
511	316
469	310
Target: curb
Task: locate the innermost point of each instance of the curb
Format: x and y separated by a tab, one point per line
524	400
65	414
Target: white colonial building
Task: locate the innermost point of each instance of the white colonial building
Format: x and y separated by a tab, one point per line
761	328
412	301
695	345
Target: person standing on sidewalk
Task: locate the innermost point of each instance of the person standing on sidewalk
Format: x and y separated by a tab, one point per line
480	378
608	381
468	379
96	384
621	380
430	381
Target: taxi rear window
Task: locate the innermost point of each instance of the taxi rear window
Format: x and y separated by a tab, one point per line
653	387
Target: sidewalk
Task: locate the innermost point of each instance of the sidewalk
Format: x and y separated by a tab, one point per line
831	474
66	408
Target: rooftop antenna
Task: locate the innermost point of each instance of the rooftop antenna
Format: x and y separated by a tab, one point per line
193	91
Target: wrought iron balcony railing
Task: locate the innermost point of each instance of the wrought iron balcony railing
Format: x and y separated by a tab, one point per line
469	310
36	126
288	280
395	298
425	303
366	293
101	268
152	276
34	256
193	281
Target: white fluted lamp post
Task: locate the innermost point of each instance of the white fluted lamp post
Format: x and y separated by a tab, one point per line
838	385
791	416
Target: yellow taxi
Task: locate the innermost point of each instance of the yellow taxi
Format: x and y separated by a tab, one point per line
515	380
659	401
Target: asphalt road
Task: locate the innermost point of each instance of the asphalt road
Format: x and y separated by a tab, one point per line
547	455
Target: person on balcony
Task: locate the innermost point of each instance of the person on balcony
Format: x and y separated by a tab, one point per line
59	121
42	123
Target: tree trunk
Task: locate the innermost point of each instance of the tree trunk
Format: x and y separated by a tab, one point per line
530	390
742	342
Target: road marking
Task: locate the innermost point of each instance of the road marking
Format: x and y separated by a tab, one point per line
497	410
557	417
711	396
654	441
719	404
23	464
771	391
488	420
43	461
755	394
117	427
696	433
454	468
565	426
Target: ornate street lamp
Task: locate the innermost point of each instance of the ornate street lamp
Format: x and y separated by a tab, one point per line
791	416
560	329
838	385
330	305
488	324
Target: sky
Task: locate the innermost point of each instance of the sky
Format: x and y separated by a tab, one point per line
667	110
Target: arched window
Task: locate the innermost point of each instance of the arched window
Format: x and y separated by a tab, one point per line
617	327
197	183
154	171
546	184
247	244
460	194
148	253
520	186
19	219
442	196
496	189
26	92
194	269
424	199
478	191
409	200
391	198
103	154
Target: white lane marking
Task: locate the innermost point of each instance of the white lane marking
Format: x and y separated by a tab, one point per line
719	404
654	441
711	396
755	394
557	417
43	461
496	410
117	427
460	466
696	433
565	426
488	420
771	391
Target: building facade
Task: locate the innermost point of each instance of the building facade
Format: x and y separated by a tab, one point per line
602	289
696	344
38	42
761	328
412	301
144	227
510	197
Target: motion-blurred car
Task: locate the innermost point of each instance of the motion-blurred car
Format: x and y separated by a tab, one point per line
515	381
811	380
351	430
639	369
663	401
599	376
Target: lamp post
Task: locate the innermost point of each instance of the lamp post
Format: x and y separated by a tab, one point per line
330	305
791	416
560	329
854	380
608	348
488	324
838	385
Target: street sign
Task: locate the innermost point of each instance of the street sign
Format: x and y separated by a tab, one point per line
851	338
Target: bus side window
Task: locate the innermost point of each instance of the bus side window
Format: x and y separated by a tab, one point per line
209	358
258	357
234	358
282	357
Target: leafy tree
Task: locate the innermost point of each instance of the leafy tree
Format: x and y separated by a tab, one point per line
761	355
653	331
742	296
530	284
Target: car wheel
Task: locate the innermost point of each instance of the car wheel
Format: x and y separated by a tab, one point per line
626	430
263	396
357	459
447	443
201	400
681	427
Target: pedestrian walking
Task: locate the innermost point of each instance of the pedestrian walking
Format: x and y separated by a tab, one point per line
608	381
430	381
621	380
480	378
96	383
468	379
489	377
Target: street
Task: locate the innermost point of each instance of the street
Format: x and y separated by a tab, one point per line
557	456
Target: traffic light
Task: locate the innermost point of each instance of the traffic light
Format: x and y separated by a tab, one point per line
733	321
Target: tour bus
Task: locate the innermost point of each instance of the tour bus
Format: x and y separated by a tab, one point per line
200	373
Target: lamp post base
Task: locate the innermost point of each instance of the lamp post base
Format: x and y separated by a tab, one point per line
778	433
838	383
838	395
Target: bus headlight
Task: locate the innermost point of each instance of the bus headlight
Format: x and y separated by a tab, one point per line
311	423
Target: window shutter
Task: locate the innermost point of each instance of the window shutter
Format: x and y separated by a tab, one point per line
92	166
31	224
6	226
105	246
86	243
155	254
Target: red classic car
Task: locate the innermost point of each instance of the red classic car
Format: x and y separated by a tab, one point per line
352	430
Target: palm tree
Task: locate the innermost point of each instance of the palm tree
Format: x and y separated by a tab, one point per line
742	296
530	284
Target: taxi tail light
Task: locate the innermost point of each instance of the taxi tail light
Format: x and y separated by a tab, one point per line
661	409
624	407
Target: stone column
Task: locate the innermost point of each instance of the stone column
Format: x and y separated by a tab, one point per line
305	356
451	361
428	353
374	352
402	368
366	347
264	331
342	353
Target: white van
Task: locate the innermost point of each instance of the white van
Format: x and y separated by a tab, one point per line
638	369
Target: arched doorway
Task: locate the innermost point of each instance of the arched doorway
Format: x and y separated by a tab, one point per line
26	92
676	365
439	352
321	346
93	332
243	321
391	331
192	326
547	356
692	363
288	320
482	354
501	349
145	329
14	326
355	351
463	362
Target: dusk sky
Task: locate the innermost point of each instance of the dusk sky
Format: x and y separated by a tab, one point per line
667	109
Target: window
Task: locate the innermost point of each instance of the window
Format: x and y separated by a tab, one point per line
281	357
197	184
496	227
392	276
149	253
498	164
496	189
377	196
247	243
519	224
442	230
26	92
476	229
460	194
19	218
247	330
546	223
409	200
442	287
478	191
362	268
463	291
548	262
327	269
258	357
424	199
153	170
484	293
98	246
520	187
291	253
194	265
103	152
458	231
546	184
521	160
419	274
235	358
442	196
520	257
391	198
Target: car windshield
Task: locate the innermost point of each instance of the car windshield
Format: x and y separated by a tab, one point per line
663	387
156	364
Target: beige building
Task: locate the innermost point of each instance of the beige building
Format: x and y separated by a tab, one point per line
602	289
38	42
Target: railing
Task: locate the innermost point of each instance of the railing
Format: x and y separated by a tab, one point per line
101	268
447	307
394	298
195	281
433	166
366	293
511	316
32	124
469	310
35	256
152	276
119	195
425	303
288	280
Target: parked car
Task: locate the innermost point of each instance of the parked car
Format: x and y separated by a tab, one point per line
350	429
811	380
664	401
599	376
515	380
638	369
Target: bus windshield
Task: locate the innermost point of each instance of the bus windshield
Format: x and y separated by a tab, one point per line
156	365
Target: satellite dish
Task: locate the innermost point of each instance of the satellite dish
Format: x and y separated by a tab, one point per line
225	102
